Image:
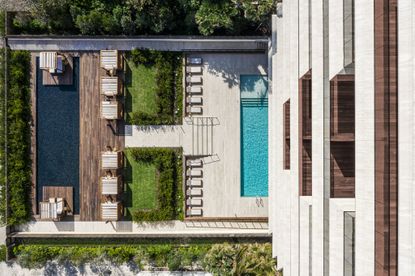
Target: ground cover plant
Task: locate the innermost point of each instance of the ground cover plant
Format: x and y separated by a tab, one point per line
156	173
129	17
217	258
153	88
18	134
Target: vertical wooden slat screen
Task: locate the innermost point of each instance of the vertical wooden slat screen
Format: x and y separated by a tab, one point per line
386	137
286	134
305	134
342	131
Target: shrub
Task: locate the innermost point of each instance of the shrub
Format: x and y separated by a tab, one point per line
3	253
218	259
240	259
18	146
169	194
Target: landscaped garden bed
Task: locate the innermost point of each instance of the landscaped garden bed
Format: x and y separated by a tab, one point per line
216	258
154	184
154	89
18	138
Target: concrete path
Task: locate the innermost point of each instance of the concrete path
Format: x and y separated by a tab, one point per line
155	136
36	43
167	229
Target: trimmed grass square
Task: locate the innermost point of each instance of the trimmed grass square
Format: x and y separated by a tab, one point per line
140	82
141	180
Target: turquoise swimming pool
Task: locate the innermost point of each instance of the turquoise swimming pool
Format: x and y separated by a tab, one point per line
254	135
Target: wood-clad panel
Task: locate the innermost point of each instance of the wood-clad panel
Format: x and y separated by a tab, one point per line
95	135
386	147
286	134
342	132
305	134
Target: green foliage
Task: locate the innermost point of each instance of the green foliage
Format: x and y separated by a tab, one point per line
169	91
19	119
218	259
215	15
169	194
3	253
146	17
240	259
163	255
2	140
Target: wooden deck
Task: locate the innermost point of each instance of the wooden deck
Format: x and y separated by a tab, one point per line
60	79
65	192
95	135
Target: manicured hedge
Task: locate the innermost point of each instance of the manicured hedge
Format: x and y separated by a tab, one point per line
3	253
169	87
169	191
18	142
2	141
219	259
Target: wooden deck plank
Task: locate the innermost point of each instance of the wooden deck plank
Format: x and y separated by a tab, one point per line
95	135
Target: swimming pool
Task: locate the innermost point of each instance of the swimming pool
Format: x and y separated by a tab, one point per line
254	135
57	133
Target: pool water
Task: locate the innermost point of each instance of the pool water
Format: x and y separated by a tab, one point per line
58	134
254	135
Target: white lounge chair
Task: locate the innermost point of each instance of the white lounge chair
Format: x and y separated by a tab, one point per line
194	212
194	163
110	110
194	69
194	192
194	60
194	79
194	202
110	185
110	211
109	86
194	183
194	89
111	160
194	173
194	110
48	61
194	100
109	59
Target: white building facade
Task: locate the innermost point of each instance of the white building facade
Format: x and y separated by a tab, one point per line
342	136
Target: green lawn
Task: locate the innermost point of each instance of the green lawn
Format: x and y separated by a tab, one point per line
141	180
141	85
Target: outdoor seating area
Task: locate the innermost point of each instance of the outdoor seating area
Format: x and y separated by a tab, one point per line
110	85
51	62
111	184
194	186
194	82
53	209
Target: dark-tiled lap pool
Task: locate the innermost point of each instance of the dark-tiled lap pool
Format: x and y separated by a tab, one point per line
57	112
254	135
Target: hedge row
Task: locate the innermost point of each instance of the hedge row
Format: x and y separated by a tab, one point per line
168	65
219	259
18	143
2	141
169	192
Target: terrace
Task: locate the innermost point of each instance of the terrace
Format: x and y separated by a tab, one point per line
213	137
